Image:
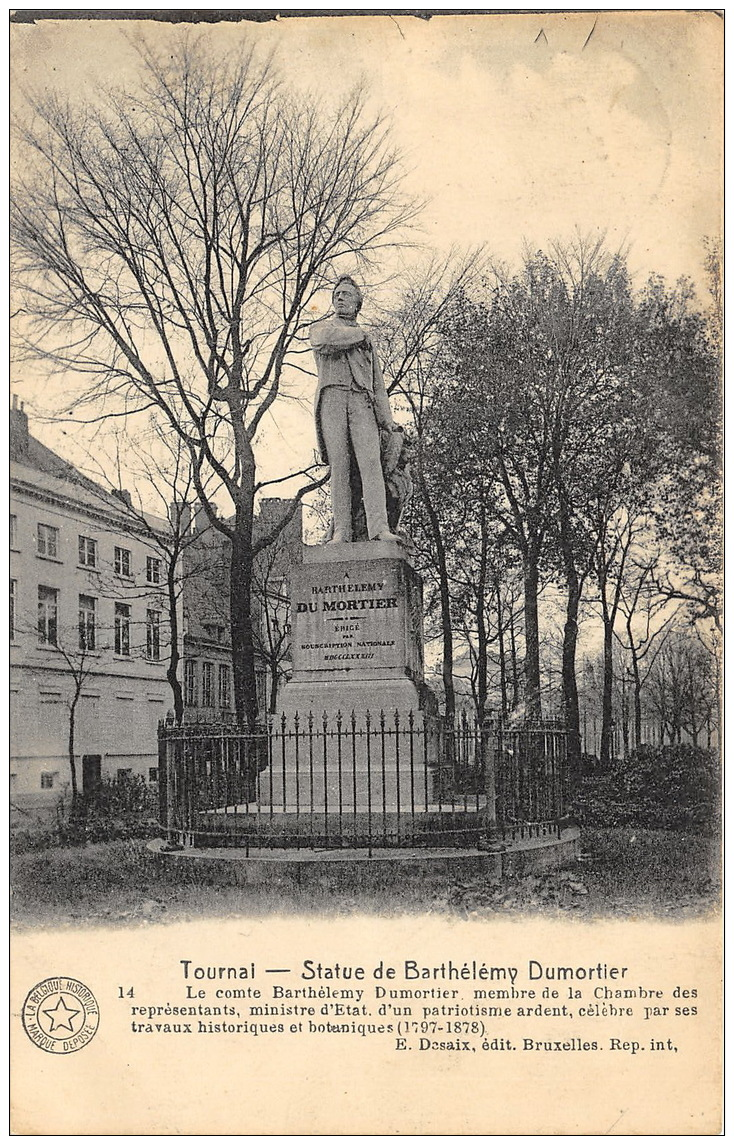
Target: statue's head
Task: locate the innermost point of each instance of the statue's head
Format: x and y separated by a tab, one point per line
346	297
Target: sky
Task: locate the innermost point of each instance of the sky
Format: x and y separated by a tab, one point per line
517	128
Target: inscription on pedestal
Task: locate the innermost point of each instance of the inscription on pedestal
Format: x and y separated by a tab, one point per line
355	617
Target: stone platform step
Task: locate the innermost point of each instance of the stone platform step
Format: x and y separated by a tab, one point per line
371	866
348	787
459	826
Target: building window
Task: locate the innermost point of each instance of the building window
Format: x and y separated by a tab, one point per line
11	608
224	687
13	530
87	623
153	635
47	780
261	687
46	697
91	773
207	684
122	629
48	541
190	682
153	773
48	614
153	570
87	552
122	561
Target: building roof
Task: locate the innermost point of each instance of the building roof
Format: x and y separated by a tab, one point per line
36	469
41	458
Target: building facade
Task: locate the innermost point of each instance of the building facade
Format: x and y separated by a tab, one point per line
207	665
89	627
207	668
90	624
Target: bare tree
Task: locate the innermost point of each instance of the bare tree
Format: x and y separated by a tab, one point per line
77	649
411	336
645	629
169	241
682	689
156	464
617	533
80	661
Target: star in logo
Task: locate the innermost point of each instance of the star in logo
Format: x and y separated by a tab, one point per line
61	1016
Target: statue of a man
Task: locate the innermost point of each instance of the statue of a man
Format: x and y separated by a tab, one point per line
351	409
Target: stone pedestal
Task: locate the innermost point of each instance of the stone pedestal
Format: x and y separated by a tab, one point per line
357	732
357	630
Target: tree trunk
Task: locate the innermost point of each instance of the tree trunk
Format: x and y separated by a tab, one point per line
501	647
175	657
481	617
243	644
636	696
513	659
609	617
481	662
532	639
447	664
569	686
72	758
625	718
607	704
274	675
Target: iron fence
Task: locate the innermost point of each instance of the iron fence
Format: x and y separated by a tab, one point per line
531	776
359	781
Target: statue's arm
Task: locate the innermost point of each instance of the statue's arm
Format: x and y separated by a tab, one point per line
329	338
383	413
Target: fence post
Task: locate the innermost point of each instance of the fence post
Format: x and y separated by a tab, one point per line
564	774
162	779
489	754
167	782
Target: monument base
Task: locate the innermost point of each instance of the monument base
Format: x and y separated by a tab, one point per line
406	827
352	758
355	719
346	696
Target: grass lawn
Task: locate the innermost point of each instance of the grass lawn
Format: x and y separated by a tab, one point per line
623	873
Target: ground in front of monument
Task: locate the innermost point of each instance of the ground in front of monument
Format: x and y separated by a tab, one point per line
622	873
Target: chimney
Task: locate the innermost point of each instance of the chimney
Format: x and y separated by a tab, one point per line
179	514
201	518
18	431
124	496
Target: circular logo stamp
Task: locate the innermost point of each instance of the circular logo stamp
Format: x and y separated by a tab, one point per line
60	1015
